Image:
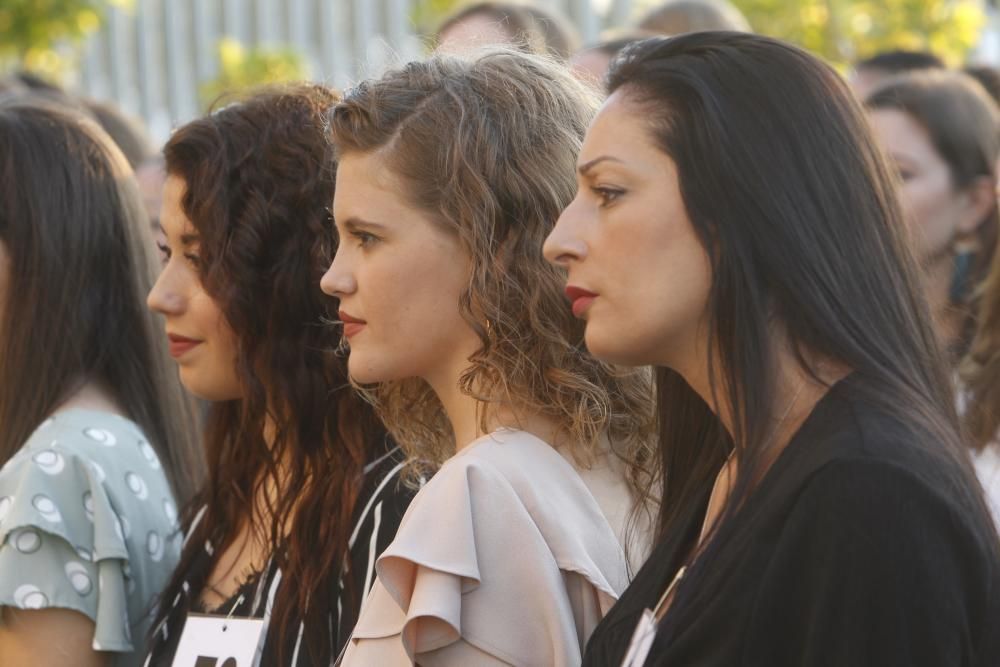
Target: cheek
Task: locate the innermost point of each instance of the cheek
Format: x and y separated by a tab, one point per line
411	304
929	206
211	374
653	293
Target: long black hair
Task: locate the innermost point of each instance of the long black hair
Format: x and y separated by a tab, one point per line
796	209
81	264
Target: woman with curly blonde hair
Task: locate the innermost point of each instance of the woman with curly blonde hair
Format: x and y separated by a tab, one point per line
451	173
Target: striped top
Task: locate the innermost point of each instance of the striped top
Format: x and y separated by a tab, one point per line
380	507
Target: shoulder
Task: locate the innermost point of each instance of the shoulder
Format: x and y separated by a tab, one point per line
512	488
869	514
85	435
85	517
876	563
514	458
92	480
853	429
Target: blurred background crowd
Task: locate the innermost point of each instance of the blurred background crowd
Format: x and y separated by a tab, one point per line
164	61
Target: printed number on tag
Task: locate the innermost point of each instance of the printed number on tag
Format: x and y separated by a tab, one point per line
216	641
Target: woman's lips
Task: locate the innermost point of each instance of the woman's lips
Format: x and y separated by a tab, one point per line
352	325
580	298
180	345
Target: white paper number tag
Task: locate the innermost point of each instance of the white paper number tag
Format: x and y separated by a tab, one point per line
642	641
217	641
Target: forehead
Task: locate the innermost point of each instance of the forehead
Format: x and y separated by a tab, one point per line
621	130
899	132
172	217
471	32
365	181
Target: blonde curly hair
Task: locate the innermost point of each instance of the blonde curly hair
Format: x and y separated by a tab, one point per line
487	147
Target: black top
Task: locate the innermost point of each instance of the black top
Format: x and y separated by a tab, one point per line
854	550
380	507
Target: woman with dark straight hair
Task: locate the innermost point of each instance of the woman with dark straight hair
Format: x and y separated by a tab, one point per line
302	490
97	444
736	227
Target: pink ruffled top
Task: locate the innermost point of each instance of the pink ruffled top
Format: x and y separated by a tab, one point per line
505	557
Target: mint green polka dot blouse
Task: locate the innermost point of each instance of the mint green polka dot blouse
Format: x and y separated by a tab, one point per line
88	522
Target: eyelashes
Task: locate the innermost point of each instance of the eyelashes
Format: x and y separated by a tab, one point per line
166	254
607	196
365	239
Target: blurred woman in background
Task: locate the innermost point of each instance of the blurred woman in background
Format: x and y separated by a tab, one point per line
520	25
941	132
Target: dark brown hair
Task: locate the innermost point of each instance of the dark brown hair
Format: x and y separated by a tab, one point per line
487	147
259	183
81	264
963	124
987	76
812	250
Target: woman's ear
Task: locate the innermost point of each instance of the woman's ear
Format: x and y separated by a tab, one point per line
980	201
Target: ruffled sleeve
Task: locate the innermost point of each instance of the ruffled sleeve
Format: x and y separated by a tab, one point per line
62	544
503	557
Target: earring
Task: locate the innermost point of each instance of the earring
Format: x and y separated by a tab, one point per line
961	274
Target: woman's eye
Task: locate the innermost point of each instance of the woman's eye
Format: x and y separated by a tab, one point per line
193	260
164	250
365	239
607	196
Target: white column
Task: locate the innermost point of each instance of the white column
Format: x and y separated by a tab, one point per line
181	82
335	39
206	39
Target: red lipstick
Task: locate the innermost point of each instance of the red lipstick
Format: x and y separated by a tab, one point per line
352	325
179	345
580	298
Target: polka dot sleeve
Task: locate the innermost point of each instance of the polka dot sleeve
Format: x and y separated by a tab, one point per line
39	570
63	540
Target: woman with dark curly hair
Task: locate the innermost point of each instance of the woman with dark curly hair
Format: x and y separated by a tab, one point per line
302	490
451	173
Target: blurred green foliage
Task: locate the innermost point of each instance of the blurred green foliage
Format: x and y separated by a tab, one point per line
31	31
426	14
843	31
242	68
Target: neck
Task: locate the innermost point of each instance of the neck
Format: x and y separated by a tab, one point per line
465	413
92	396
796	392
937	288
